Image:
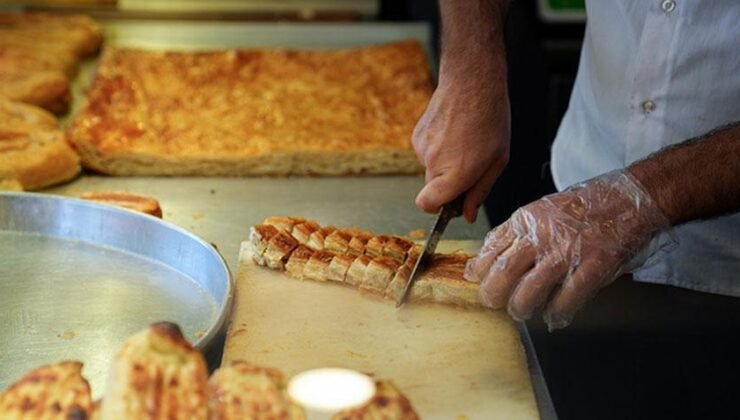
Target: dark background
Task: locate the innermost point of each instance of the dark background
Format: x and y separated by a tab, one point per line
637	351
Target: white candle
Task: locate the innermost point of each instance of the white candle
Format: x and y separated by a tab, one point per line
324	392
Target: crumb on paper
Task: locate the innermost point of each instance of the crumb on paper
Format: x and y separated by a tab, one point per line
67	335
200	334
356	355
418	233
237	331
198	216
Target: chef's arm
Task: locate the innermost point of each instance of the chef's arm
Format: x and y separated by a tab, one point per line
555	253
696	179
462	139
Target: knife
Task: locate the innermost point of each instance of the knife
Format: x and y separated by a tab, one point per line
448	212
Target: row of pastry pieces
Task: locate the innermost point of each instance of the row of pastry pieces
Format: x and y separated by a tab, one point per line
157	374
378	264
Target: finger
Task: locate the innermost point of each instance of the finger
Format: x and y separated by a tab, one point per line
591	275
497	241
506	272
532	292
475	196
440	190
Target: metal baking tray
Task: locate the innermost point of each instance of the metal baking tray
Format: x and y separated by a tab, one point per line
78	278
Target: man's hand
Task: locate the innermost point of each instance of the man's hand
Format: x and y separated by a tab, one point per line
463	142
557	252
463	137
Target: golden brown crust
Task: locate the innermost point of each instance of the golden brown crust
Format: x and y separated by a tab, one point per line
33	150
356	272
388	403
278	250
303	231
129	201
156	374
339	266
358	243
378	274
48	89
284	223
338	241
317	267
375	245
55	391
39	53
318	237
396	247
259	236
297	261
386	274
254	112
245	391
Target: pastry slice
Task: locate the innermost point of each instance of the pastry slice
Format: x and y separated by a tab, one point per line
317	239
396	247
259	236
156	375
388	403
375	245
338	241
339	266
278	250
302	231
317	267
244	391
358	243
356	271
283	223
378	274
297	261
444	277
129	201
55	391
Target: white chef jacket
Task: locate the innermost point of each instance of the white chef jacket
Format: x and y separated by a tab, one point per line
655	73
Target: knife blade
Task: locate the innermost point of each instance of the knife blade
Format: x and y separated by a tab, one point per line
448	212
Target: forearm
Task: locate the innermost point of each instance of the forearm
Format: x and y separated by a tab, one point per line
696	179
472	47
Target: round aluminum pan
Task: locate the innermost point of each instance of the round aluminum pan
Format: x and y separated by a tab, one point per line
78	278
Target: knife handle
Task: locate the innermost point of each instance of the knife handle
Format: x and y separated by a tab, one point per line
455	207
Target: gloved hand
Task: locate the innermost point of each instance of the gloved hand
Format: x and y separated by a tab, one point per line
462	139
555	253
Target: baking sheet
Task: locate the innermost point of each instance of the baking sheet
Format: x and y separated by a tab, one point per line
77	278
451	363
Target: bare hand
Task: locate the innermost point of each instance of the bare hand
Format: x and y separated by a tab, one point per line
463	141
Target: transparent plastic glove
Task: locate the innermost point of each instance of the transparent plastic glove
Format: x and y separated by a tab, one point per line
555	253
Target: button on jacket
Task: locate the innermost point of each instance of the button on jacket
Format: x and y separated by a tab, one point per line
655	73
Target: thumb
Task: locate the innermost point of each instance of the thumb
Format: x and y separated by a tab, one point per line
440	190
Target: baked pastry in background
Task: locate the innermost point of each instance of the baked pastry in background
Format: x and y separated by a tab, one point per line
33	150
254	112
39	53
